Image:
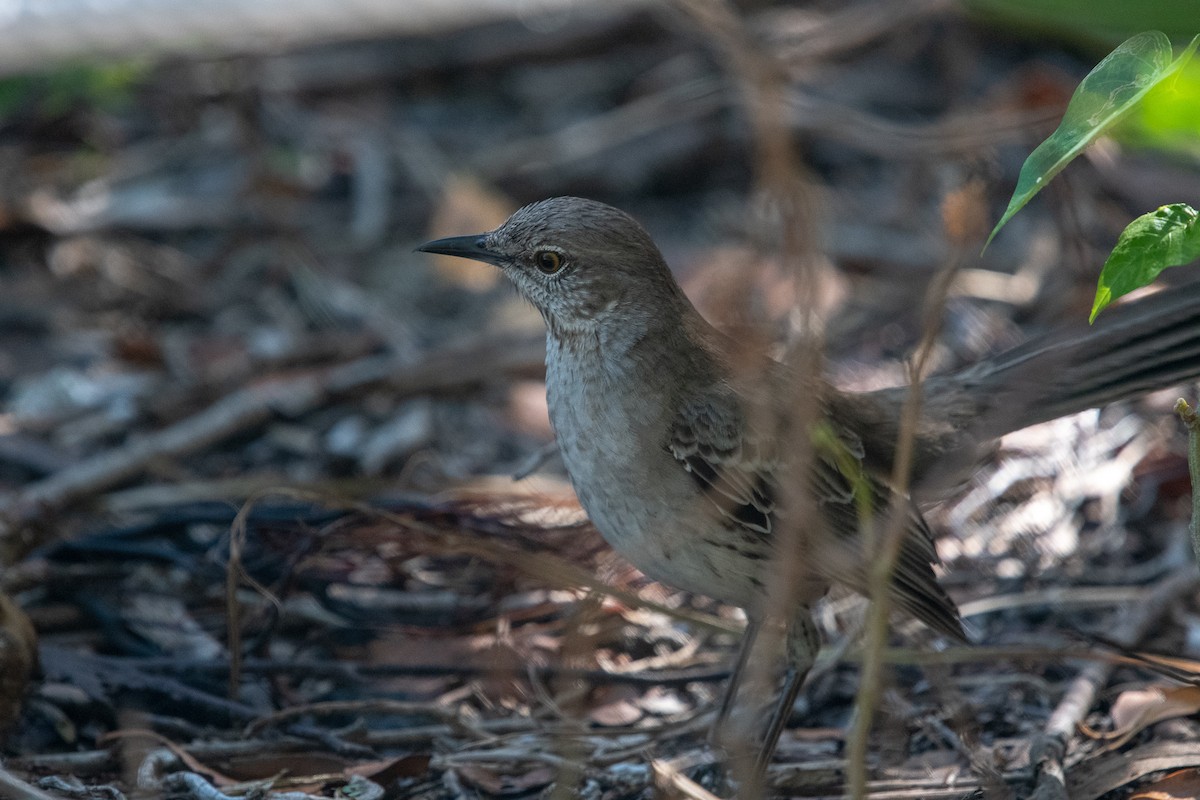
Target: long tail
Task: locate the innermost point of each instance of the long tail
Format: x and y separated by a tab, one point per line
1135	348
1140	347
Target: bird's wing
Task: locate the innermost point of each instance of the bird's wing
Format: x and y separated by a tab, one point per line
731	469
738	471
914	585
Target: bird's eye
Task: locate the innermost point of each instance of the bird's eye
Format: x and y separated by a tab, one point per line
548	261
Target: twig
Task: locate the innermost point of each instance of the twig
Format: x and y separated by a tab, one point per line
377	706
92	762
849	27
689	102
548	568
763	86
883	552
125	675
346	671
13	788
535	461
670	783
1053	597
1192	421
253	406
349	671
1049	750
235	576
1117	770
949	135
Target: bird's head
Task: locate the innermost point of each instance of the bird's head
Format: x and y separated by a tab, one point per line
580	262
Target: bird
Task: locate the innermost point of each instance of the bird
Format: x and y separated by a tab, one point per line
679	459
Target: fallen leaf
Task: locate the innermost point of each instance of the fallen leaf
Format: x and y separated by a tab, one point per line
385	772
1137	709
1181	785
506	784
616	706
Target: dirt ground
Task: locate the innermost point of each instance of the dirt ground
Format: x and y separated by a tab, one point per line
261	532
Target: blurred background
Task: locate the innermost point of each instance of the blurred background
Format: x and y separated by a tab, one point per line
208	290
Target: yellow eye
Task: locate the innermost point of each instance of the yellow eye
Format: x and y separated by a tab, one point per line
548	261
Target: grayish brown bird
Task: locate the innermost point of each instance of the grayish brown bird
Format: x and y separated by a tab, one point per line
674	454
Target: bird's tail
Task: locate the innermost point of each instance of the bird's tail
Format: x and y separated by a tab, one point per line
1139	347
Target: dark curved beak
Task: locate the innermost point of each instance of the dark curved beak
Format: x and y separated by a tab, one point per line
472	247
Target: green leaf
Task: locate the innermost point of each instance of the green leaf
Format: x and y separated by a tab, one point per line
1109	91
1168	117
107	86
1164	238
1091	23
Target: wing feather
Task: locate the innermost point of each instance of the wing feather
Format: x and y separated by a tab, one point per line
737	471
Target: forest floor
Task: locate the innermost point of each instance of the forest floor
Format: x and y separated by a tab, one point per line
257	455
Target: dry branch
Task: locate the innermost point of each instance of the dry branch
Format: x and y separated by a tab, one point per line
252	406
1049	752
